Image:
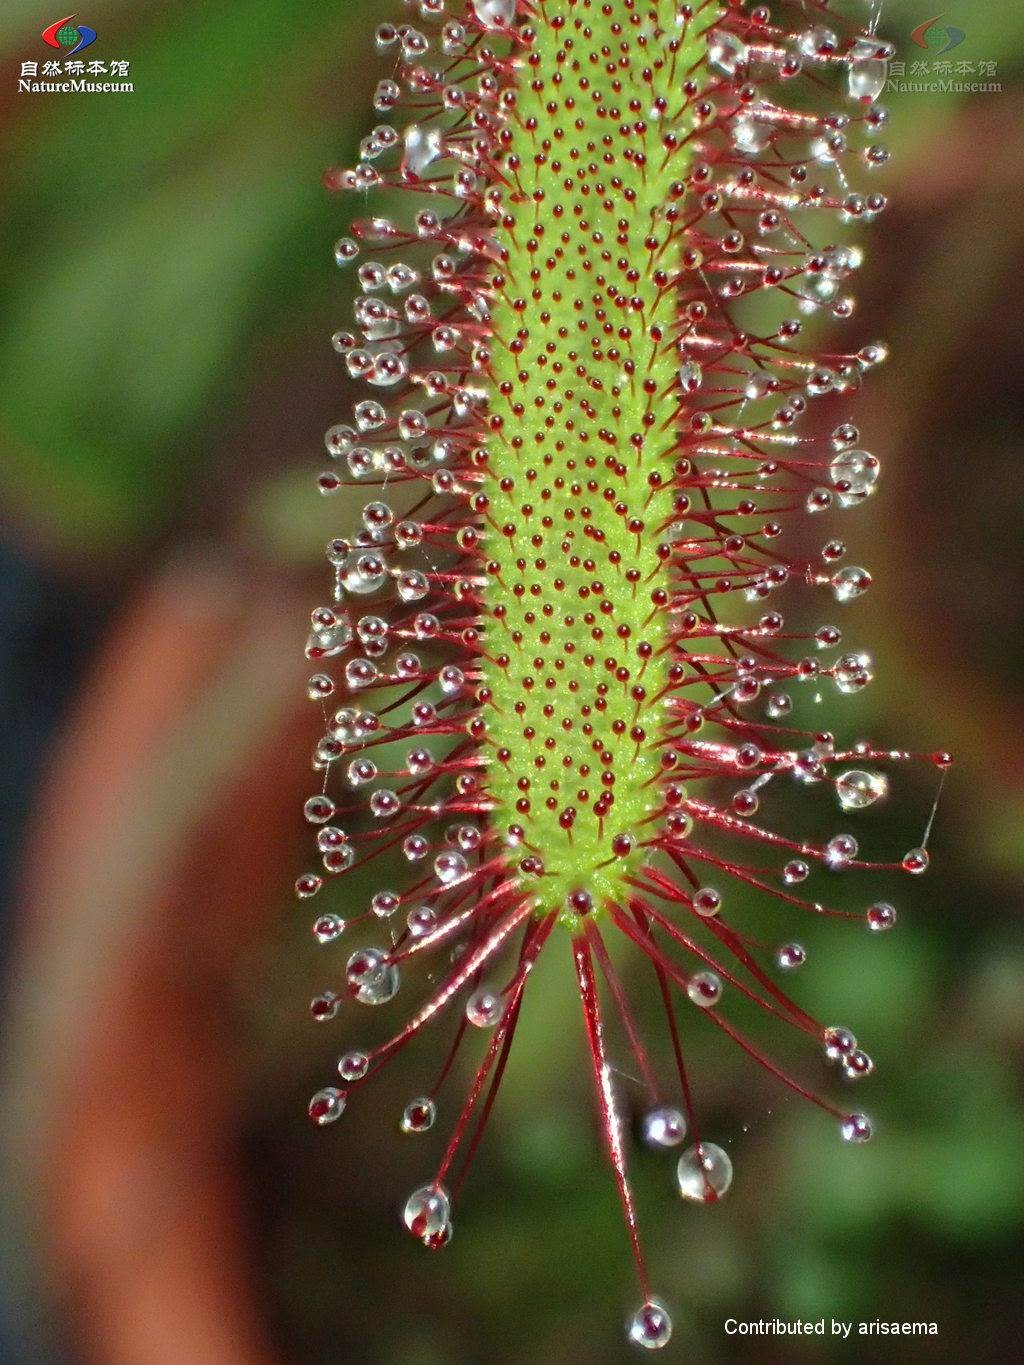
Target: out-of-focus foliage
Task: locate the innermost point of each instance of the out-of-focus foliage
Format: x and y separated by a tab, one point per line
167	293
155	245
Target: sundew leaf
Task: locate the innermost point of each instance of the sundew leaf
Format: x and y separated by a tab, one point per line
567	419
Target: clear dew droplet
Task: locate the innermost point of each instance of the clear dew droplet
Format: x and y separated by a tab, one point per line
650	1326
330	837
452	680
795	871
434	1241
664	1127
495	13
308	884
856	789
778	705
384	804
791	956
384	904
418	1115
421	920
916	861
484	1008
339	859
423	146
324	1007
707	901
371	978
415	847
857	1065
327	928
867	79
319	686
326	1106
726	51
881	916
318	809
839	851
849	583
749	136
327	642
413	585
704	1173
759	385
854	475
427	1211
839	1042
449	867
704	989
856	1128
852	672
690	377
353	1066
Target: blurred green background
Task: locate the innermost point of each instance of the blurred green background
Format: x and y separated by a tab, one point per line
167	293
